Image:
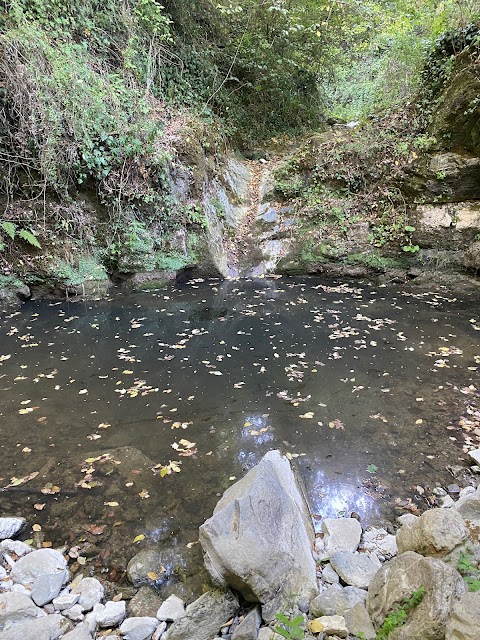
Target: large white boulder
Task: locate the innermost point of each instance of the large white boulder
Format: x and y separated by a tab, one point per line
260	538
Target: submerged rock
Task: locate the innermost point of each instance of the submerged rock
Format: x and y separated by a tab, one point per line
400	578
260	538
145	562
144	603
205	617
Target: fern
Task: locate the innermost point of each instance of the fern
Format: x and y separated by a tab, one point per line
398	618
9	228
29	237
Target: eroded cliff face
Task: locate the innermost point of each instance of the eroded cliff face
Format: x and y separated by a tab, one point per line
398	197
84	249
444	186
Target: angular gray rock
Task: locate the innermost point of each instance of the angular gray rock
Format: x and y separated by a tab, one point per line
469	507
205	617
356	570
172	609
464	621
10	527
358	621
266	633
91	593
330	626
248	628
330	575
45	628
378	541
336	600
47	587
42	561
143	563
75	613
436	533
159	631
260	538
113	614
400	578
80	632
341	534
90	619
67	601
17	547
138	628
16	607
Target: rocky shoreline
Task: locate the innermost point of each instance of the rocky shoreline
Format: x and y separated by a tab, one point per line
271	575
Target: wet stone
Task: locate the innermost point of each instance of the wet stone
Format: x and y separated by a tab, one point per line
145	562
145	602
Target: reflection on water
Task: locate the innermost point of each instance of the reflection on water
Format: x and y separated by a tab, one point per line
137	412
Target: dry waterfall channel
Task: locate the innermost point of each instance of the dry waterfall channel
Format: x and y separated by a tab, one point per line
265	559
262	228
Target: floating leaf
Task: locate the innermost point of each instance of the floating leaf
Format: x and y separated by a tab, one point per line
15	482
139	538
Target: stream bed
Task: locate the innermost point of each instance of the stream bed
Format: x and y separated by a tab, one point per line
123	420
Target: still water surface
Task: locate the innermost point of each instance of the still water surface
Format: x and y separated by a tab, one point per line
363	386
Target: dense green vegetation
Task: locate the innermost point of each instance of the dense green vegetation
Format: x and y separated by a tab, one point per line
101	97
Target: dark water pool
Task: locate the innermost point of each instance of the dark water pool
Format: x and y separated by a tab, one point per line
365	387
